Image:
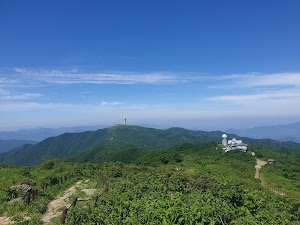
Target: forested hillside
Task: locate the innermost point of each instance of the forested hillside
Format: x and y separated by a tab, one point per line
110	144
191	183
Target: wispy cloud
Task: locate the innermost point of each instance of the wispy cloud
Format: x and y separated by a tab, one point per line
5	81
255	97
32	106
200	96
260	80
111	104
128	57
86	92
20	70
5	95
75	77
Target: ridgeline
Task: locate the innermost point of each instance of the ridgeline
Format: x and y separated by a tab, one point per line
110	144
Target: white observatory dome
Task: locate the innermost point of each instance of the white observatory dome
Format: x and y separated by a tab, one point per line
224	136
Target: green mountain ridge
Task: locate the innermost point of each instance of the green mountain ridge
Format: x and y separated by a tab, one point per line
108	144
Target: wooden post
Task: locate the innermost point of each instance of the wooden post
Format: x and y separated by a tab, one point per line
33	194
27	198
96	200
105	186
64	215
74	203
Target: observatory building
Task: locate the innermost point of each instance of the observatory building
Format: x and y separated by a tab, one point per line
233	144
224	140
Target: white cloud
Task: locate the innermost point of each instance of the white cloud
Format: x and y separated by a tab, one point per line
20	70
259	94
3	92
5	81
35	106
5	95
241	96
75	77
111	104
255	97
280	79
260	80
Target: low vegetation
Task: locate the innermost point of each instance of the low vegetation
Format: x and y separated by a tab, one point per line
192	183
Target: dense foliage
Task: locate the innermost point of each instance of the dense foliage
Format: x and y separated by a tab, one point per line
170	197
188	184
191	183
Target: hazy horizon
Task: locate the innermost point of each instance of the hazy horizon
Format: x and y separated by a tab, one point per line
158	126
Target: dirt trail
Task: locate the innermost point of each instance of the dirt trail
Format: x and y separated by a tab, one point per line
5	220
259	165
54	207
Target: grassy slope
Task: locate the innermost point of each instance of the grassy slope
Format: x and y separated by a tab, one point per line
187	184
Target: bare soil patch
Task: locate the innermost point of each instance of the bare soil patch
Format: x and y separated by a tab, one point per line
5	220
55	207
89	191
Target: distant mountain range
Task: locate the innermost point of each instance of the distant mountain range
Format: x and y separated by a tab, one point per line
112	143
39	134
290	132
6	145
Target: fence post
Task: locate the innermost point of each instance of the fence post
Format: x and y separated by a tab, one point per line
96	200
33	194
27	198
74	203
105	186
64	215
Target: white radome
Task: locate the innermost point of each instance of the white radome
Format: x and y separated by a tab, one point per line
224	136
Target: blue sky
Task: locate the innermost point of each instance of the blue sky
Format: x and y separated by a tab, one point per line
195	64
